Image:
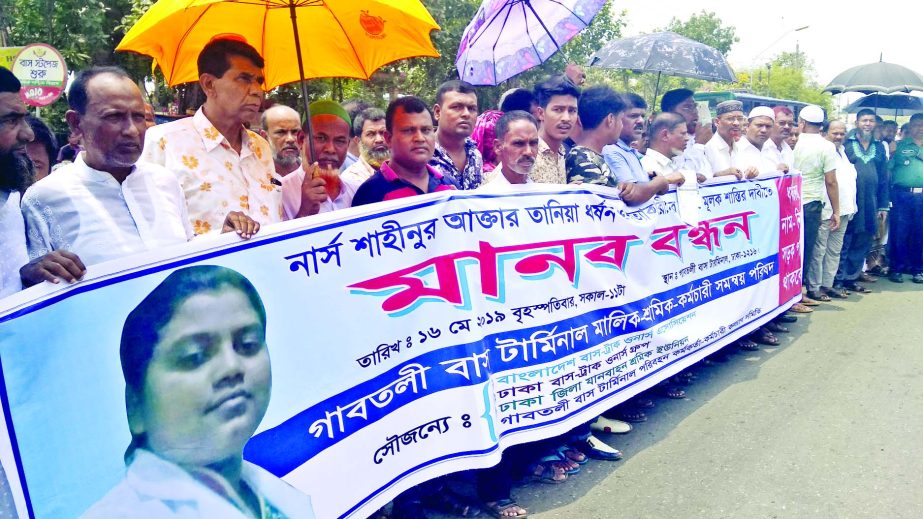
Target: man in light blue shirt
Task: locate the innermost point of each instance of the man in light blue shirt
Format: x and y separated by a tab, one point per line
623	160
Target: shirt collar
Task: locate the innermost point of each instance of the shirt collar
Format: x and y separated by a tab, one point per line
545	149
95	175
391	176
214	138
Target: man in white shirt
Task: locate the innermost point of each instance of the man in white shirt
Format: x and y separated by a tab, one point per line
220	164
668	133
776	149
281	126
323	190
516	146
681	102
106	204
749	158
722	147
825	260
369	130
16	174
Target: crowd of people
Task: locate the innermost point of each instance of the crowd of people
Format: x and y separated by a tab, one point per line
123	185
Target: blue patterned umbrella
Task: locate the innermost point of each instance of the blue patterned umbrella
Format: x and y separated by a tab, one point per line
508	37
665	53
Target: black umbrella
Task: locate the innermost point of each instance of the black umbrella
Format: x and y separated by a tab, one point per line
665	53
883	77
888	104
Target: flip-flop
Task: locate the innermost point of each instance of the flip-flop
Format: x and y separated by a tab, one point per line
498	507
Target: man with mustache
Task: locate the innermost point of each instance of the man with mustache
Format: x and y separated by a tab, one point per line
722	147
905	239
625	162
322	191
106	204
681	102
749	159
776	149
870	158
369	131
220	164
456	153
516	145
280	127
557	112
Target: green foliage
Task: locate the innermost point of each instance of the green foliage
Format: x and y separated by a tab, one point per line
707	28
788	76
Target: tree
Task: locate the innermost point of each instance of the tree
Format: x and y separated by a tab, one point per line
707	28
788	76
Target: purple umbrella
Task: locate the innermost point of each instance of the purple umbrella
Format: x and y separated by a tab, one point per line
508	37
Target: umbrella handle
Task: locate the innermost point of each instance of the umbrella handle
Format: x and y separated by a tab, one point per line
304	86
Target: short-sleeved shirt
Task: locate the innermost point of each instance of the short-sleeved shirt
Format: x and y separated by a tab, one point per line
907	164
625	162
470	178
588	167
549	165
814	156
216	179
386	185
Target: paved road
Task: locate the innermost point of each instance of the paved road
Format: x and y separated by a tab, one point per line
829	424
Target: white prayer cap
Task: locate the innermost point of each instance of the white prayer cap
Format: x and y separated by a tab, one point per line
812	114
762	111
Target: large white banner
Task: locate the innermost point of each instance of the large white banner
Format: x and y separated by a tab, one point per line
402	341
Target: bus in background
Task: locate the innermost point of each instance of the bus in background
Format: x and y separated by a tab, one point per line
749	101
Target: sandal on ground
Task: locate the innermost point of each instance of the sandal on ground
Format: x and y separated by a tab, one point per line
449	502
630	414
818	296
546	471
800	308
642	402
567	453
776	327
808	301
764	336
747	345
501	509
856	287
673	392
836	293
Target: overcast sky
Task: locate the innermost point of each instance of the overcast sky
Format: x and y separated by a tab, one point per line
839	35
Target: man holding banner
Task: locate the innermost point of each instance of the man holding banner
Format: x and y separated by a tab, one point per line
106	204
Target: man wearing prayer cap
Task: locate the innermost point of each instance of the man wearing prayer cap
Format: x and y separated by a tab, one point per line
749	157
722	148
323	191
816	158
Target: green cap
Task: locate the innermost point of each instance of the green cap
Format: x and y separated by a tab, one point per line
328	107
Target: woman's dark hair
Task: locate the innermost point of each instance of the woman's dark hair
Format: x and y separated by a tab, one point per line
143	325
44	136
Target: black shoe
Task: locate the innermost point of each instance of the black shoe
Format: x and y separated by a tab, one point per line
785	318
918	278
852	286
896	277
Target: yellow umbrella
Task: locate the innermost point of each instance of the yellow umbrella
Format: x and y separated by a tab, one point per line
338	38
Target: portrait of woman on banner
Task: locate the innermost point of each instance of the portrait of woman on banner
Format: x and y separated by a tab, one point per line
197	384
